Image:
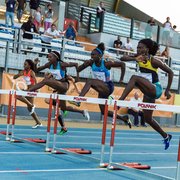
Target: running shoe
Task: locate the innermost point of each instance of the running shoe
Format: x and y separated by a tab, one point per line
65	113
32	110
36	126
127	119
129	123
63	131
86	114
75	103
167	141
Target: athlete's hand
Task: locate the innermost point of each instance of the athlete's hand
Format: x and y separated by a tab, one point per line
36	61
167	94
141	58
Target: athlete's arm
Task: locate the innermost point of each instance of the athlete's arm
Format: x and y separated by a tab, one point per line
122	65
40	68
159	64
128	58
18	75
84	65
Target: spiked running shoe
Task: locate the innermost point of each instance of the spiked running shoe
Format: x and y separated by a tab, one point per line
167	141
63	131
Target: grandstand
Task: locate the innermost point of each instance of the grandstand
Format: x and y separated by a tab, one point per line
13	54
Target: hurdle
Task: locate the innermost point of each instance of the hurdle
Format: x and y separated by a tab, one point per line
106	102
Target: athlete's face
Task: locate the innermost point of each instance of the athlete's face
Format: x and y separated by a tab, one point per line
52	58
142	49
26	65
96	56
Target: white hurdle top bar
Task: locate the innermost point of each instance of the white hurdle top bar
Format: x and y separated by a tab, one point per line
129	104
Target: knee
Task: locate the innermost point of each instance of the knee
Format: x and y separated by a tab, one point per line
133	78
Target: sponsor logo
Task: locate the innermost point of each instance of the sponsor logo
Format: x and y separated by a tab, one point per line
82	99
31	94
146	106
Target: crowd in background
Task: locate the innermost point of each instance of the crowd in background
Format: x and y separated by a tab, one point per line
46	20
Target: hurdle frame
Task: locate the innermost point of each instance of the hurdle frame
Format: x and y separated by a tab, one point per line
149	106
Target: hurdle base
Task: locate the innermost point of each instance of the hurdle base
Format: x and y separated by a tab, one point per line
8	139
4	133
78	150
74	150
131	165
36	140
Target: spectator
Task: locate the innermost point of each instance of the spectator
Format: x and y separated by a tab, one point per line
158	51
71	32
10	8
117	44
174	27
48	17
100	10
148	30
37	18
166	55
49	34
166	33
128	45
136	112
20	9
33	5
28	28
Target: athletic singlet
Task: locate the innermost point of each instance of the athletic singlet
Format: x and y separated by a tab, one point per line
27	77
101	72
57	73
148	71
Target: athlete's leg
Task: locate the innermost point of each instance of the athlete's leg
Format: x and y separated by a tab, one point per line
124	118
143	84
34	115
60	86
25	100
97	85
149	119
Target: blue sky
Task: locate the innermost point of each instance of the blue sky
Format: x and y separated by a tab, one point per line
160	9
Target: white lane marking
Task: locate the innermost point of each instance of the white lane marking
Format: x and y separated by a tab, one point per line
46	153
50	170
132	132
168	167
99	144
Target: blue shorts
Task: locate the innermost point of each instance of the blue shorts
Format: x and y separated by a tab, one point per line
110	86
159	90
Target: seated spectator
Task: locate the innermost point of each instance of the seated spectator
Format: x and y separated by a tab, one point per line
50	33
158	51
166	55
128	45
136	112
117	44
31	28
148	30
71	32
